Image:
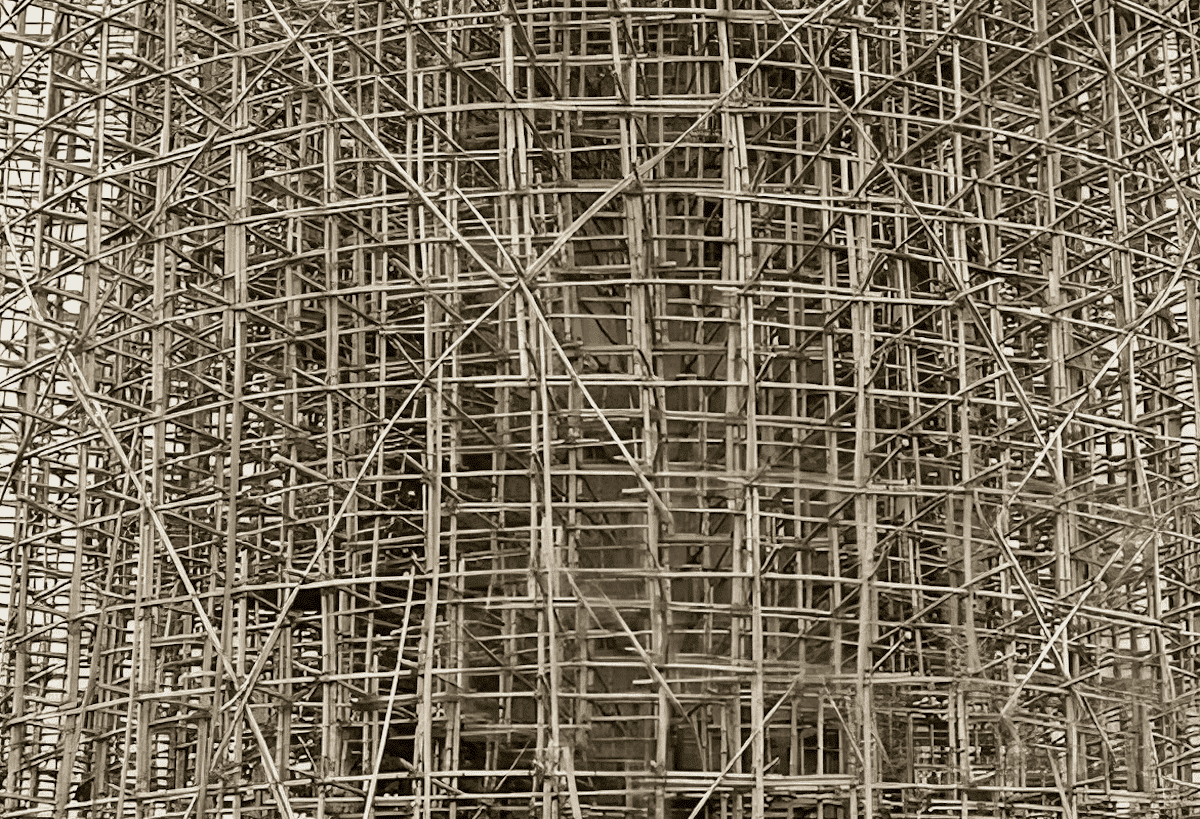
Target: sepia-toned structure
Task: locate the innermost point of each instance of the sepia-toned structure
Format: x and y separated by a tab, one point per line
755	409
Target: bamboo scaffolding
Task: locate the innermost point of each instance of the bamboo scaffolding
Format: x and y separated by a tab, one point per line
754	410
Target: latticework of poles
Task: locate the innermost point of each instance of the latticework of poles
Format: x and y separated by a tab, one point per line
702	408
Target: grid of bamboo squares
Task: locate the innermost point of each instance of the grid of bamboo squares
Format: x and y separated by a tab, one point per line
502	408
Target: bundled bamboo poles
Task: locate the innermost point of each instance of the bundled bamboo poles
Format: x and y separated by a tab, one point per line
692	409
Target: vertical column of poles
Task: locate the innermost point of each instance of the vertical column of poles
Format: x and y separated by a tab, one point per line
1186	614
891	56
1181	609
72	724
169	439
332	734
1189	560
545	542
1053	267
457	279
414	259
292	738
961	661
368	303
378	269
968	412
159	341
515	581
233	348
429	264
57	148
641	317
738	263
646	83
425	763
908	559
822	167
1165	556
355	621
1132	37
540	557
988	397
858	247
26	400
143	676
351	285
23	561
735	423
546	559
1164	416
559	32
817	398
1125	269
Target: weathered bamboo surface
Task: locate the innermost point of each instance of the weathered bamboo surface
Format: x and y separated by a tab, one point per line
705	408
